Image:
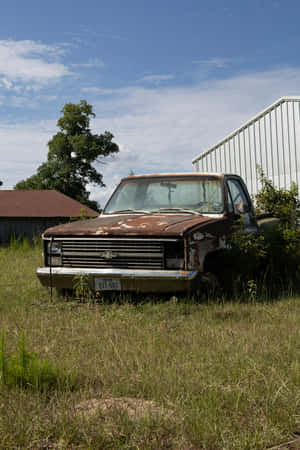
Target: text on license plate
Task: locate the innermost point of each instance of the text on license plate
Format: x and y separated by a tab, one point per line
107	284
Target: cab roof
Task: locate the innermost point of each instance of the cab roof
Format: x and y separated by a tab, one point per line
179	174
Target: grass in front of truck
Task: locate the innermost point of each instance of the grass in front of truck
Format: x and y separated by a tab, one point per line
214	375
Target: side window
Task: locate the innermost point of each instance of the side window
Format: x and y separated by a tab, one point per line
239	199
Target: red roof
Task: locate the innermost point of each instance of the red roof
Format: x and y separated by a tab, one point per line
35	203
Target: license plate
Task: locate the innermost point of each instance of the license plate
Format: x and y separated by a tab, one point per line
107	284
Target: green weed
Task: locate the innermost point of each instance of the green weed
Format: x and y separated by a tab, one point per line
82	288
25	369
22	243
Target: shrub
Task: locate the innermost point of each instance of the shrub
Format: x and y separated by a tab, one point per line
25	370
270	257
281	203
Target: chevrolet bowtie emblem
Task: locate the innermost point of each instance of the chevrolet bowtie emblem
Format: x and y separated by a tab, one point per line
108	254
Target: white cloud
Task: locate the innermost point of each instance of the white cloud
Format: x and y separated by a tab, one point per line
7	84
157	78
158	130
29	62
93	62
105	91
23	147
213	63
162	130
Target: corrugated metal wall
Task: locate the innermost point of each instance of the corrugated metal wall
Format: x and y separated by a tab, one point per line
18	228
271	140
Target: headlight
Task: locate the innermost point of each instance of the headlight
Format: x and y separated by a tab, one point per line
54	248
53	252
53	260
174	255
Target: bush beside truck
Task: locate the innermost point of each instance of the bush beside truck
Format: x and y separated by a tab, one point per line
270	260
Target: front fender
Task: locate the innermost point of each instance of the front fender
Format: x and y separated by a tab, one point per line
202	241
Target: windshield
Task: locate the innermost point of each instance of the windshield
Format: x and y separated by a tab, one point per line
167	194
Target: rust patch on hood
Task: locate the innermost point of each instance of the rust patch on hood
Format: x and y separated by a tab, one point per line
133	225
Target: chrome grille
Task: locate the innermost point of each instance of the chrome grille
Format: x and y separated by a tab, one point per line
113	253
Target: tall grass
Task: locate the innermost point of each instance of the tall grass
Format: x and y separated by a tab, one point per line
228	371
22	243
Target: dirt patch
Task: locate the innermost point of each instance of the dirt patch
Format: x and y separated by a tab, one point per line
135	408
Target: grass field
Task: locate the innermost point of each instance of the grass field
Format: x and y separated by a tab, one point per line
158	374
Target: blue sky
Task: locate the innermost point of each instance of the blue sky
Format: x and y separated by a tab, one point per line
167	78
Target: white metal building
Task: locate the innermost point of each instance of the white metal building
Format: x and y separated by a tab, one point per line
271	140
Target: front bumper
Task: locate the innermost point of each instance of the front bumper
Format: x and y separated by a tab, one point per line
129	280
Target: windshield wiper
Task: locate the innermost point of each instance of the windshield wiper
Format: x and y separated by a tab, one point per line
136	211
188	211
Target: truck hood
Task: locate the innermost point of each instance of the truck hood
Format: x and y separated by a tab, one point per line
162	225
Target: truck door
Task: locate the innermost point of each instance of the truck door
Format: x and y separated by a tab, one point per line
239	203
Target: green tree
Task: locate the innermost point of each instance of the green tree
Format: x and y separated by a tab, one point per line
72	152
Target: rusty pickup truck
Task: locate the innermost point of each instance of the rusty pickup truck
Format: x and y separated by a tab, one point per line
157	233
